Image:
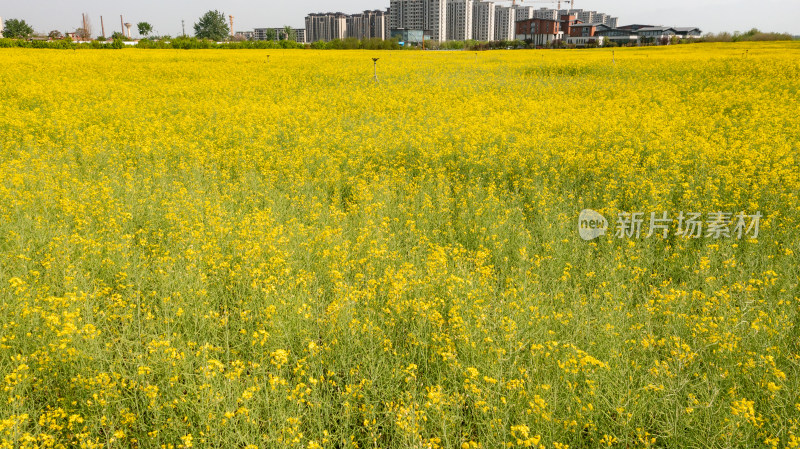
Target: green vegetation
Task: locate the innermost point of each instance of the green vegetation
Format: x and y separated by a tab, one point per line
752	35
145	29
212	26
17	29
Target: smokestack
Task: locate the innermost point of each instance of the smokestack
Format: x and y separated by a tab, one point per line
122	24
102	27
231	19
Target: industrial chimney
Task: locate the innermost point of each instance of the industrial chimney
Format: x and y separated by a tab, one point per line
231	19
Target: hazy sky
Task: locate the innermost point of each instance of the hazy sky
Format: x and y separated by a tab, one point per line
166	15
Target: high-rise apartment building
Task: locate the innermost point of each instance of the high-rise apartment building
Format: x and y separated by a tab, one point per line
436	19
569	12
504	23
583	16
587	16
355	26
326	26
459	20
522	12
545	13
368	25
483	21
407	14
428	15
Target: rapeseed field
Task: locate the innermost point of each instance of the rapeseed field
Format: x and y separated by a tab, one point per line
268	249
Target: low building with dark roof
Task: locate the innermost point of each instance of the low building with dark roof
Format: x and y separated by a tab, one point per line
688	32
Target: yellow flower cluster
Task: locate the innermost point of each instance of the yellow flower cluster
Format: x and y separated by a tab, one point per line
226	249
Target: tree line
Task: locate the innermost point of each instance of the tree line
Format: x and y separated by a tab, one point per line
753	34
211	26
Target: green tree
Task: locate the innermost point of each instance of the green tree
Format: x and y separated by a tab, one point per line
271	35
290	33
212	26
144	28
17	29
55	35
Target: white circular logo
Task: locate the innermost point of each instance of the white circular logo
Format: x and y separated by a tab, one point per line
591	224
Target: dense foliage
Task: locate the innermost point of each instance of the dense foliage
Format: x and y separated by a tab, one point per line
752	35
213	26
16	29
145	29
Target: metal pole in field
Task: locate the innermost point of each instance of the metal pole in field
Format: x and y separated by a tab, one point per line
183	27
375	68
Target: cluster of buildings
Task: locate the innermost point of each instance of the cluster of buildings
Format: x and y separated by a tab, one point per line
570	30
443	20
365	25
264	34
329	26
440	20
415	21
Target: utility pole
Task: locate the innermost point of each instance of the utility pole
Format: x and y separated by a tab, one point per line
183	26
375	67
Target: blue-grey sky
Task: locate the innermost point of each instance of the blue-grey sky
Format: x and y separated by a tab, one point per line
166	15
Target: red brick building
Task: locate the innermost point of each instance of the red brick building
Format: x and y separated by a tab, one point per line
545	31
584	29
